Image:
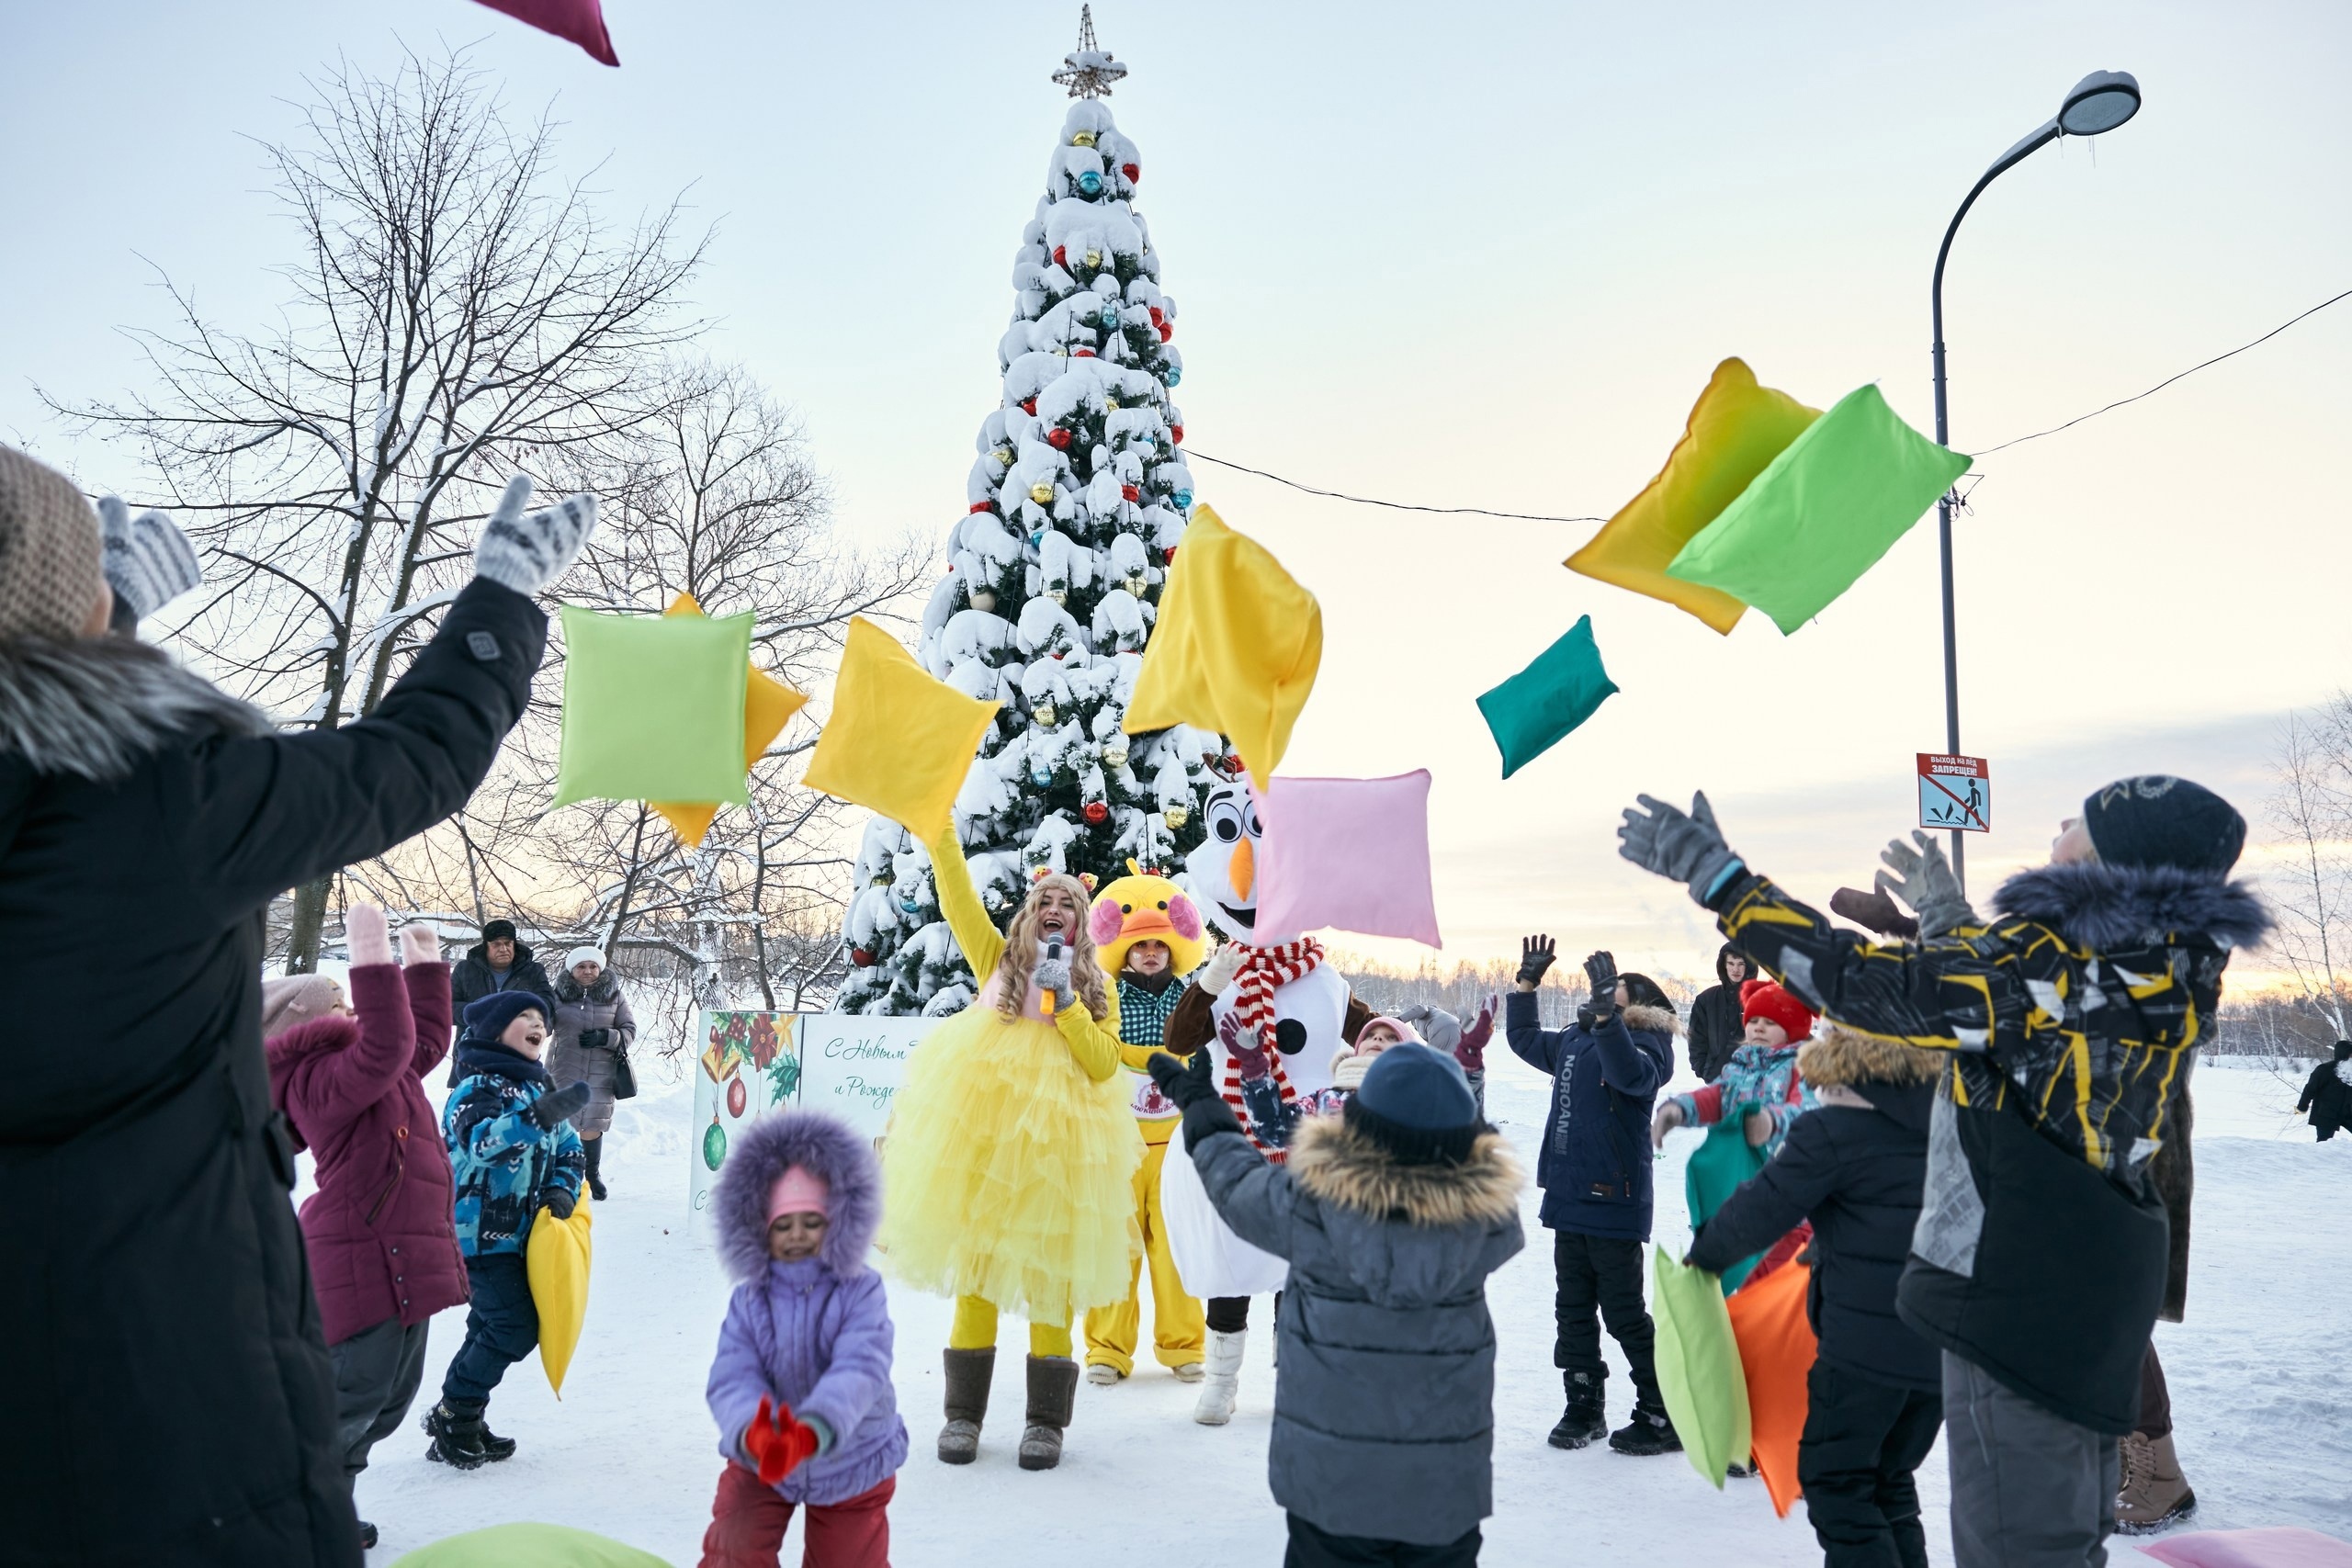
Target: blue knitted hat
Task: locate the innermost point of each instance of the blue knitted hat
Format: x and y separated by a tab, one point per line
487	1019
1416	1103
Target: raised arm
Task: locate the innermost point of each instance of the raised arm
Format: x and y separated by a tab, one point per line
1523	1028
967	917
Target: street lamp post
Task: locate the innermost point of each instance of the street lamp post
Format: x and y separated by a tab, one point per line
2100	102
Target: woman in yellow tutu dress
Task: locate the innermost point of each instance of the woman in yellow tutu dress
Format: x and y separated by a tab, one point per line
1011	1160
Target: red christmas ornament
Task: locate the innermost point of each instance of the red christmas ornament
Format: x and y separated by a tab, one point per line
1059	259
1029	406
981	506
1133	170
736	1097
1168	555
1233	763
1176	435
860	957
1130	493
1057	439
1097	813
1167	331
1155	315
1081	354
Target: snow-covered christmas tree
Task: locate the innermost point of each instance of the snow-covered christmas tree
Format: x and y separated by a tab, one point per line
1075	503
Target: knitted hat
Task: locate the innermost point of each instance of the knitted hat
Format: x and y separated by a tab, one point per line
579	955
487	1019
1406	1034
289	1000
798	1191
1416	1105
49	573
1762	998
2158	820
497	930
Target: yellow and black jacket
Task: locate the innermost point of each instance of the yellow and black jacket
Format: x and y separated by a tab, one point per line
2072	1019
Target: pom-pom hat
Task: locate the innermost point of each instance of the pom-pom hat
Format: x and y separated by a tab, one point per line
1763	998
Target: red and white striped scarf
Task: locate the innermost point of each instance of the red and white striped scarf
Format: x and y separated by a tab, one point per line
1262	971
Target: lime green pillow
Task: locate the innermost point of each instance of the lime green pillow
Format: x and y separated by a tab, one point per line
528	1546
1535	709
653	707
1698	1366
1822	513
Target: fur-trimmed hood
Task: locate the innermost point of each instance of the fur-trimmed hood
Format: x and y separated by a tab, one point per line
94	707
1661	1019
1836	1057
1341	1166
822	1146
2097	905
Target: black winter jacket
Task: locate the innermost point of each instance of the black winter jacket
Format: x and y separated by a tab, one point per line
168	1399
1717	1025
2328	1095
1594	1165
471	979
1856	1171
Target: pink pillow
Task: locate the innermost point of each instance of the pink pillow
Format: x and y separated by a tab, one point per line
2281	1546
1350	854
575	21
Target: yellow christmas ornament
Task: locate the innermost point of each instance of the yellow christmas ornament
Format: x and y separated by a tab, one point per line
1094	258
768	707
555	1260
1042	493
1235	648
900	741
1083	139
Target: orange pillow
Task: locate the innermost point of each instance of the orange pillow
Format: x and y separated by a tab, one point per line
1776	1351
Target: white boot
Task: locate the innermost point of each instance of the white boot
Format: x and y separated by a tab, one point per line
1223	1382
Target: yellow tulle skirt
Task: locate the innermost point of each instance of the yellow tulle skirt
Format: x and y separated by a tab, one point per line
1008	1174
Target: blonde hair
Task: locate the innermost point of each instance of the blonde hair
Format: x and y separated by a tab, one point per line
1021	952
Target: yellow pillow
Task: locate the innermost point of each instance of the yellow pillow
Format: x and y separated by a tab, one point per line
555	1260
1236	650
768	705
900	741
1737	428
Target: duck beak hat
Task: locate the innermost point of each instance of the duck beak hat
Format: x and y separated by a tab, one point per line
1143	907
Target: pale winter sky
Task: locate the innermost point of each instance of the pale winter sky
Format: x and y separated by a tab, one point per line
1459	256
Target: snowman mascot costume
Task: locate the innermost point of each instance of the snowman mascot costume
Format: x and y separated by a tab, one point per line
1275	1014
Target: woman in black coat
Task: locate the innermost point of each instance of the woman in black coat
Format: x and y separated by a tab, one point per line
2328	1093
168	1399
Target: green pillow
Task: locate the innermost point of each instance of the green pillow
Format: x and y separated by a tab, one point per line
1822	513
653	707
1717	1166
1534	710
528	1546
1698	1366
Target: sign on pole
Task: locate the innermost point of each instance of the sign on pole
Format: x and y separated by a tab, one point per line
1955	792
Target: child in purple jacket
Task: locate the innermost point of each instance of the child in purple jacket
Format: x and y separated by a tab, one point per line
801	1383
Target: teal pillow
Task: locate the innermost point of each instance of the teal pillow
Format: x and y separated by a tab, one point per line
1822	513
1698	1366
653	708
1536	708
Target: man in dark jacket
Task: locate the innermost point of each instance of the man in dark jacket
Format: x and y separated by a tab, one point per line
499	962
2327	1093
1391	1215
1595	1171
2039	1265
169	1400
1854	1165
1716	1023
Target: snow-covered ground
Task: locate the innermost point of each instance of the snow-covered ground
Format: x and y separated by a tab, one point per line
2261	1377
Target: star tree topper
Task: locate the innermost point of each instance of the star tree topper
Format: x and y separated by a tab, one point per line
1087	70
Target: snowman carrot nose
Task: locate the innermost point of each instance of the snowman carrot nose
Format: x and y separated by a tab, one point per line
1244	872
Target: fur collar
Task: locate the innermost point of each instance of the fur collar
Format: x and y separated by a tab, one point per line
2096	905
95	707
1836	1057
1659	1018
568	989
1340	1165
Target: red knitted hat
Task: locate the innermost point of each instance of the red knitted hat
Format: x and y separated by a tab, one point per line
1762	998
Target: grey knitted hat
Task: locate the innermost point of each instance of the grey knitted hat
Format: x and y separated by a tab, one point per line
50	574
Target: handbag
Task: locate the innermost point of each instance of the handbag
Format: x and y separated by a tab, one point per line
624	1075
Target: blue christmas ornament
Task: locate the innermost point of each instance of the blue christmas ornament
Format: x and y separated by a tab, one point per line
1041	776
1183	500
1090	183
908	905
1172	374
1110	316
1036	538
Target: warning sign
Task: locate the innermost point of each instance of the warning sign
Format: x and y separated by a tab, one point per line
1955	792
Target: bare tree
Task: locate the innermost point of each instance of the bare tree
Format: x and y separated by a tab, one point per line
2311	879
457	312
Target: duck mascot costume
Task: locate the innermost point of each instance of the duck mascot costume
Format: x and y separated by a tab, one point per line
1143	908
1011	1160
1275	1014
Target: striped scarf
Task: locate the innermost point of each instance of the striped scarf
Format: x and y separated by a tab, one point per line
1264	971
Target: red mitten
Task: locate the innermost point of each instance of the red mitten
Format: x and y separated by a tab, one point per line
778	1444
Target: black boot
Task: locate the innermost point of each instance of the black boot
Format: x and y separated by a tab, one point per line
1585	1420
457	1437
1053	1391
494	1447
1650	1432
593	1149
970	1373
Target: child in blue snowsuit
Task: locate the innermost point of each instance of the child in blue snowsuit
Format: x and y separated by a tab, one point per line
513	1153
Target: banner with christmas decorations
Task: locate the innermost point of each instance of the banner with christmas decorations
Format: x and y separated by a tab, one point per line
851	1065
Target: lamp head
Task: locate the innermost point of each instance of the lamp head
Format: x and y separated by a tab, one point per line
2100	102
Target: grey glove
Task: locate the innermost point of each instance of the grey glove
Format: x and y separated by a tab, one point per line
1688	848
526	551
1439	1026
556	1107
148	562
1923	879
1052	973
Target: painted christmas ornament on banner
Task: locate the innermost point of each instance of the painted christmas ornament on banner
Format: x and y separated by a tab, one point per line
737	1098
714	1144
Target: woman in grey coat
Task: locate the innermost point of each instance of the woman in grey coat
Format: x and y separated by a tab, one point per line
1391	1216
593	1030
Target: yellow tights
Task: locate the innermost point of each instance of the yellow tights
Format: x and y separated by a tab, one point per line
974	1329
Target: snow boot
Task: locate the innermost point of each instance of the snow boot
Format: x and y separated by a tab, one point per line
457	1437
1650	1432
2154	1494
1586	1419
1221	1378
593	1150
970	1373
1053	1389
1190	1371
494	1447
1103	1374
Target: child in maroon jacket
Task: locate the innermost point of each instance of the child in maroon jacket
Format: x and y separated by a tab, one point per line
383	1249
